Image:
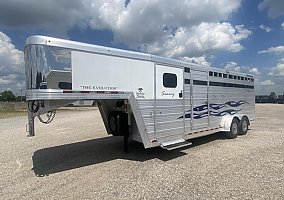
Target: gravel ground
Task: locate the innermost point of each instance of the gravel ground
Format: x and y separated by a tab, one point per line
72	158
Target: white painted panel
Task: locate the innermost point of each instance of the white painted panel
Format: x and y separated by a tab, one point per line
168	93
100	72
143	79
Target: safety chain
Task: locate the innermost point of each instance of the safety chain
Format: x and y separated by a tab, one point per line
50	117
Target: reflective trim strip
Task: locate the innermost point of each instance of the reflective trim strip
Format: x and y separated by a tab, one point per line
67	91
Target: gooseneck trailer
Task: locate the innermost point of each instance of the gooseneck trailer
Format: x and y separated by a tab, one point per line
147	98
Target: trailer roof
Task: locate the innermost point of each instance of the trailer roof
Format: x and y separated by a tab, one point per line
56	42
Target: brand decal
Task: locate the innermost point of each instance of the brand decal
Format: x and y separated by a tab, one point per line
140	94
164	93
88	87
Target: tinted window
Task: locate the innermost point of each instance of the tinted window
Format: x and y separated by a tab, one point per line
246	78
239	78
199	82
235	77
221	84
210	73
186	70
65	85
220	75
242	78
169	80
215	74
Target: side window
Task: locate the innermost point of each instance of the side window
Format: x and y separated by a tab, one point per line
186	81
169	80
220	75
215	74
186	69
225	76
231	76
64	85
210	73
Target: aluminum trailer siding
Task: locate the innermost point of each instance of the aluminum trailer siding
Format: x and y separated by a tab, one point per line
151	99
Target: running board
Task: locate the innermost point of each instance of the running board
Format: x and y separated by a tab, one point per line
175	144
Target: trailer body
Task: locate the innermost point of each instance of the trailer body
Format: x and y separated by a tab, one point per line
151	99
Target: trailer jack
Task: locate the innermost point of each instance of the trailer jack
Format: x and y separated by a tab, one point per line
30	127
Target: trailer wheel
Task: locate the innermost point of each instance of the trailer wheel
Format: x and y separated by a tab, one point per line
118	123
234	129
244	126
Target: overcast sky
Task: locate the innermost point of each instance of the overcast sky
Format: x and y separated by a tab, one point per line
246	36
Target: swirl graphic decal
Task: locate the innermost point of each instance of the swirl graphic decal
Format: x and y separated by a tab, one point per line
215	110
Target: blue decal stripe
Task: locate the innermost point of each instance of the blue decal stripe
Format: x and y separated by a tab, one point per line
197	114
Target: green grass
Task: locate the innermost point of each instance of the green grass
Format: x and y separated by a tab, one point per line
11	113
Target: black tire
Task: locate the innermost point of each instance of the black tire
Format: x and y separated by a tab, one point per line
234	129
243	129
118	124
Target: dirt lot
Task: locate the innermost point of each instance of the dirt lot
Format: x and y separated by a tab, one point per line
72	158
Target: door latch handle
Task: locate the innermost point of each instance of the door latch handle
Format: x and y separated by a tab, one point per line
180	94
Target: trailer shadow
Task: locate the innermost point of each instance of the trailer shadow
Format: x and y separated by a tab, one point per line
75	155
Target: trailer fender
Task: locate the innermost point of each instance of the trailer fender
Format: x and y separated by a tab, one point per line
227	121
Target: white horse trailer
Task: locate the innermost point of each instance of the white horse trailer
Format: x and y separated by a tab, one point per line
150	99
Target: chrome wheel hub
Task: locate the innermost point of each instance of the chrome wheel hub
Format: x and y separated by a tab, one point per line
244	125
235	128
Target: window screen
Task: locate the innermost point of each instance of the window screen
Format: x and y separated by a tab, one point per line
169	80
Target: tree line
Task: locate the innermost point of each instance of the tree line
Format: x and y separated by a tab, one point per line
272	98
9	96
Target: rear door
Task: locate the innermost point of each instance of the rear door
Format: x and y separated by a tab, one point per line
169	103
200	111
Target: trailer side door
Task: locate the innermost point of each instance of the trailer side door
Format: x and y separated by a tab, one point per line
169	103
